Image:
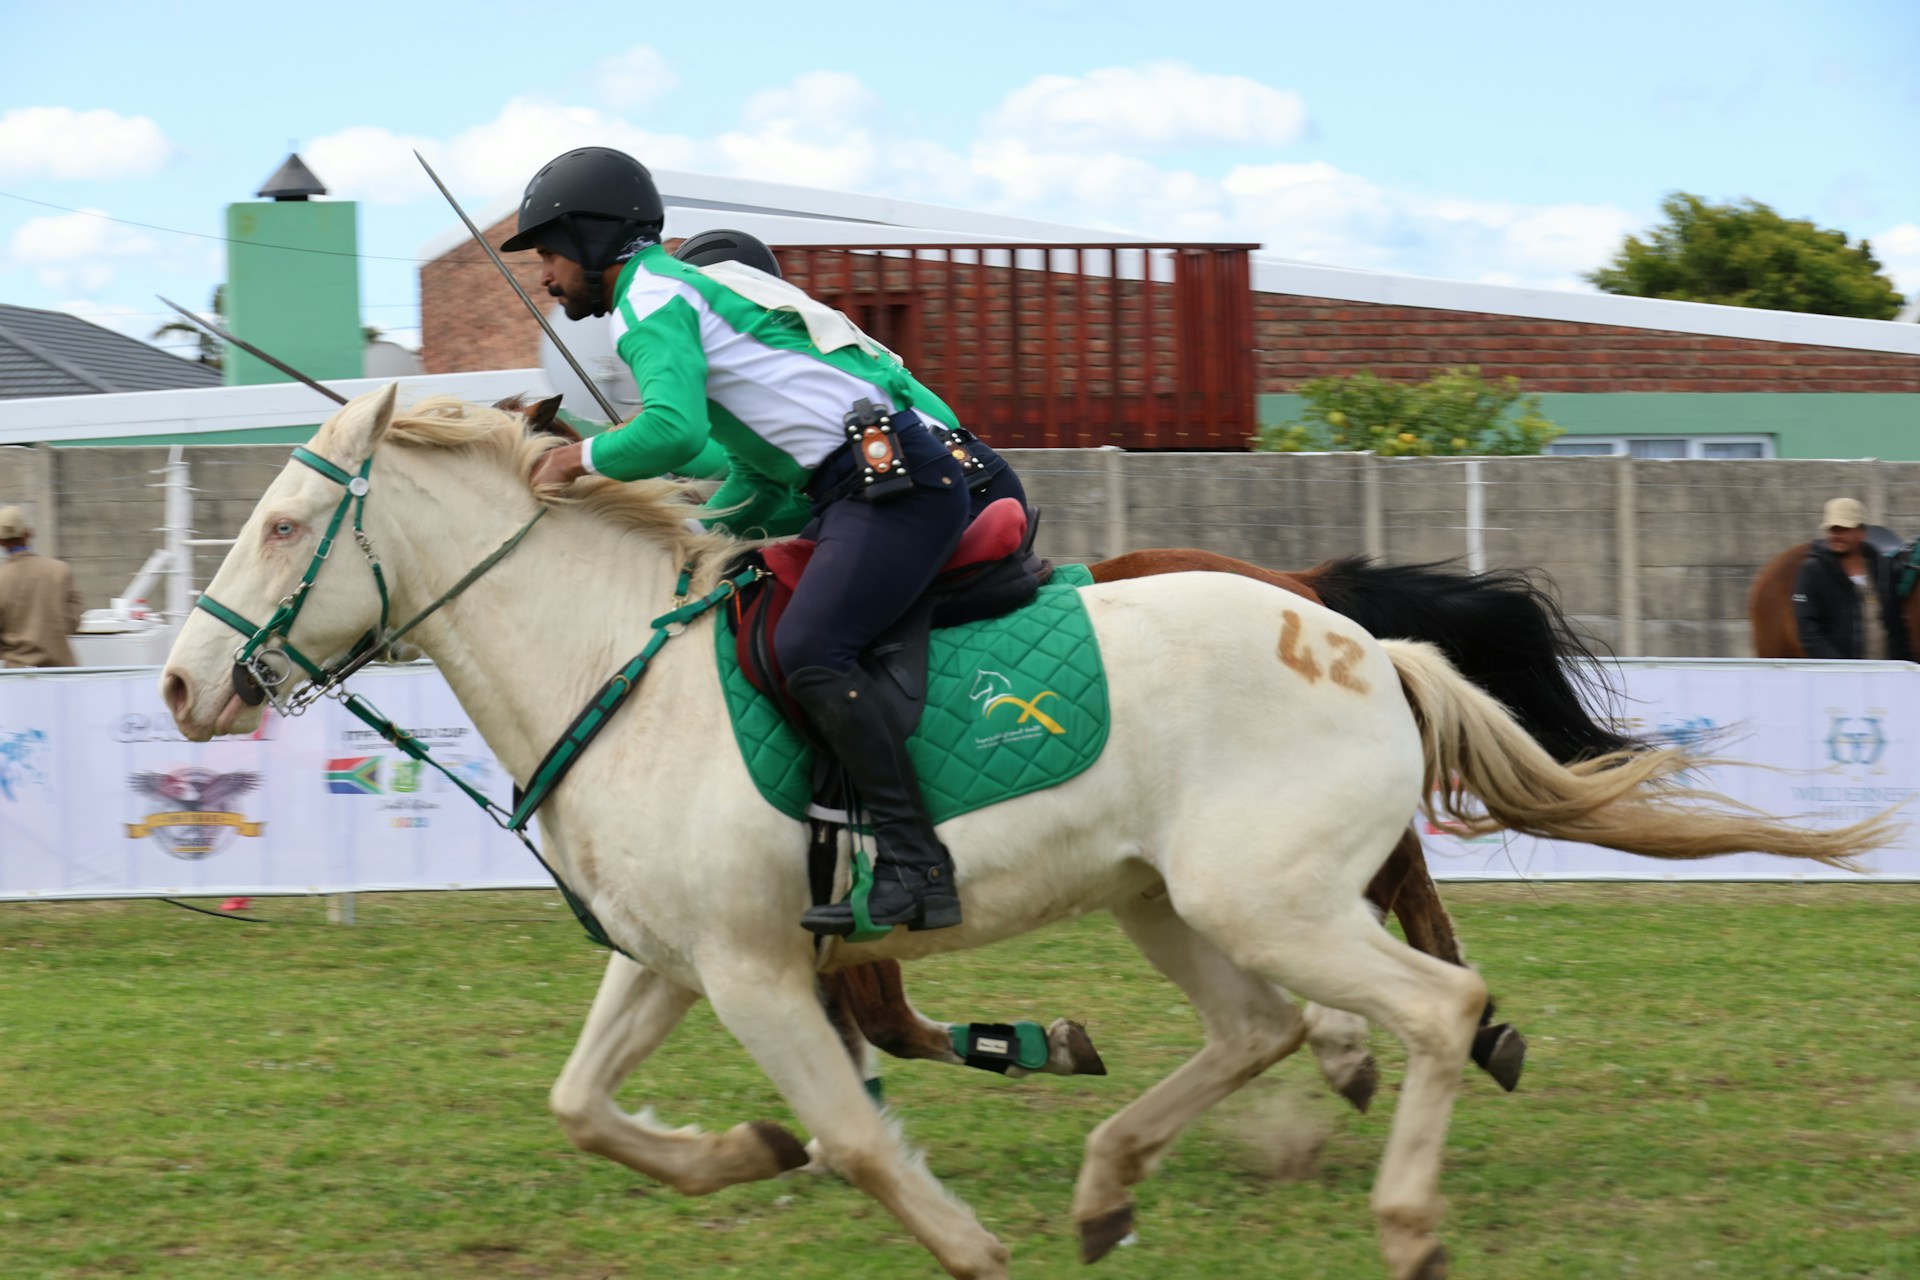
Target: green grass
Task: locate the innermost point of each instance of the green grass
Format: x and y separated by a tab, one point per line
1722	1082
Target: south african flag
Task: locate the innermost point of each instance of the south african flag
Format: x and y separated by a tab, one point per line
354	776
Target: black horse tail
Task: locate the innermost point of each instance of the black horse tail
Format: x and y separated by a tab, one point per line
1503	632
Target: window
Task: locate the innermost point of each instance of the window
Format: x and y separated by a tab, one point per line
1674	446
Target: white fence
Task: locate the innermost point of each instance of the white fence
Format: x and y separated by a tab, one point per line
100	797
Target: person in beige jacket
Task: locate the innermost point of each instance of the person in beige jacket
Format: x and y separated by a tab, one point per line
39	607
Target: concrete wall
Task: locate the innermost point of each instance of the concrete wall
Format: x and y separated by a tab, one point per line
1653	557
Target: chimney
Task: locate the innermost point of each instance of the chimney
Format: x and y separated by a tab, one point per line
293	279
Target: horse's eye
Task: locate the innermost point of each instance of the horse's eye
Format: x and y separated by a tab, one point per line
284	528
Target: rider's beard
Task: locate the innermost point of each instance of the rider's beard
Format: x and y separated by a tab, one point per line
576	302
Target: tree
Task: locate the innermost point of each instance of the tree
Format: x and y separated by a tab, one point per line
1746	255
210	347
1457	412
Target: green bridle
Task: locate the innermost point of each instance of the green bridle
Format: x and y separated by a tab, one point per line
256	678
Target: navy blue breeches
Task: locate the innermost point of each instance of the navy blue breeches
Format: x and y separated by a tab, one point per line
873	560
1003	483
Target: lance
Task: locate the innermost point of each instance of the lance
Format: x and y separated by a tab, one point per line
613	415
214	329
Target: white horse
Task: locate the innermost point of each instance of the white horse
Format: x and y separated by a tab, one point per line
1264	756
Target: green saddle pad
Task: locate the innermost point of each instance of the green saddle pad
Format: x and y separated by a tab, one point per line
1015	704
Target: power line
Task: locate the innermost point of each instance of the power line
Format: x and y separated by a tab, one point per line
202	235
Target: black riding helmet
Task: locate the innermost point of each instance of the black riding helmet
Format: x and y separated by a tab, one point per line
587	205
710	247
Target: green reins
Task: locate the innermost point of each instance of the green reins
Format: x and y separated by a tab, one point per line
255	679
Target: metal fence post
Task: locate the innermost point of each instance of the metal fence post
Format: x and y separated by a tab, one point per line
1626	545
1373	527
1115	459
46	515
1476	519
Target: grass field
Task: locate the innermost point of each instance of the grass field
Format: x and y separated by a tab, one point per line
1724	1081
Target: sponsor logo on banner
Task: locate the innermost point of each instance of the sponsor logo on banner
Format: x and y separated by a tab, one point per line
403	786
1859	748
354	776
1687	732
1856	741
198	820
138	726
993	692
23	761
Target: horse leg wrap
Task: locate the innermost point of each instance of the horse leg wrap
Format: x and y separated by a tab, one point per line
999	1046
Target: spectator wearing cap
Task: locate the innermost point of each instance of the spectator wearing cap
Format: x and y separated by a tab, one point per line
1843	600
39	607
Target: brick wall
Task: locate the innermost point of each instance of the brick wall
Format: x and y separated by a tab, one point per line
470	320
980	336
1302	338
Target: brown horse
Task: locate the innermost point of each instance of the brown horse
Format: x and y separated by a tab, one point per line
1500	629
1770	599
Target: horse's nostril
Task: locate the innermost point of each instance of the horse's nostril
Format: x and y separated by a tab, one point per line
176	693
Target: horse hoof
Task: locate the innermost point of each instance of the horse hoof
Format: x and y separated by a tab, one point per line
787	1151
1362	1084
1098	1237
1433	1266
1501	1052
1073	1052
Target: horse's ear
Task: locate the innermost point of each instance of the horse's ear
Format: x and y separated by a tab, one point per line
359	426
544	420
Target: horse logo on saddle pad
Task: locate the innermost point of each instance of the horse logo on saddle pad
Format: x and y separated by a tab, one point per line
1014	704
997	691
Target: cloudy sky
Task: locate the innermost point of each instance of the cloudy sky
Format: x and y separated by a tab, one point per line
1476	140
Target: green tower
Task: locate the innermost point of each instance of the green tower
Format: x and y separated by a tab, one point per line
293	280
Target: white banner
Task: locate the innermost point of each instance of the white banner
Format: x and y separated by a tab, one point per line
100	796
1835	741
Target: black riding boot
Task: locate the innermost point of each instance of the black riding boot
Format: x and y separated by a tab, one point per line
912	873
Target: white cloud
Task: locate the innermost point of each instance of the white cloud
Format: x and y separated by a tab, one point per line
75	252
1158	106
1319	213
1898	249
59	142
781	152
1086	150
370	163
812	132
485	162
820	99
633	79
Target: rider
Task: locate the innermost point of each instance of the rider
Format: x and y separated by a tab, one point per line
995	478
773	375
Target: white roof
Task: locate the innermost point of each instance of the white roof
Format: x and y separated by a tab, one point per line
194	410
785	214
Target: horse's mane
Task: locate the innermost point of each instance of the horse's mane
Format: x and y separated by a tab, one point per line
657	509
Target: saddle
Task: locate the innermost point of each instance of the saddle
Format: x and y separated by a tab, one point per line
993	571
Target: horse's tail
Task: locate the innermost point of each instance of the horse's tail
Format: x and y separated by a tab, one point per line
1500	629
1626	801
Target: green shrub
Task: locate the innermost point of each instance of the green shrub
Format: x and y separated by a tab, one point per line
1454	413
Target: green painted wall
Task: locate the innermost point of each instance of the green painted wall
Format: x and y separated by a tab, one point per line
1811	425
293	288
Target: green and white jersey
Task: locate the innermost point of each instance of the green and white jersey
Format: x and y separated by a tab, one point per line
770	383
